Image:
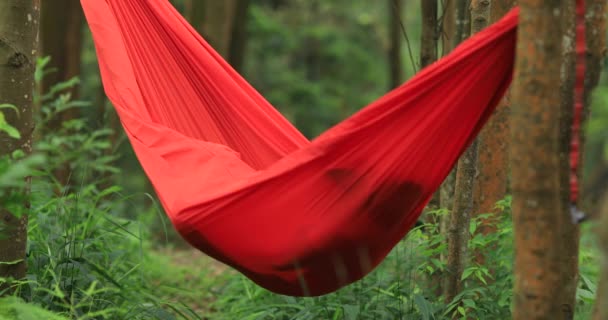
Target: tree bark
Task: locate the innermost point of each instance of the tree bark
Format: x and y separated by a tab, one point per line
19	22
458	230
446	191
569	232
429	36
394	49
448	25
455	17
463	21
540	166
493	167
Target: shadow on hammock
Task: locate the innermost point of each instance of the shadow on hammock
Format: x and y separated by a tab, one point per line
347	254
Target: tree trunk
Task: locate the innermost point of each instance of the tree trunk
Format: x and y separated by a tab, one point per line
61	39
455	16
18	44
217	25
188	5
428	55
429	37
196	16
458	229
493	165
224	26
542	223
569	232
394	49
446	191
448	25
238	40
463	21
601	301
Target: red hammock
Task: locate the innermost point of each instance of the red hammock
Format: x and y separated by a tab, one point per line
241	184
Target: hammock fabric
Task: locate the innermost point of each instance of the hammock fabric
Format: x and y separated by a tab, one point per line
243	185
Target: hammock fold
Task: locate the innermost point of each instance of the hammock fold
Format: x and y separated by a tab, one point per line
243	185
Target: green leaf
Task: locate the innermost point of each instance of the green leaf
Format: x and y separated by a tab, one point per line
467	273
469	303
13	308
462	311
337	314
472	227
10	130
425	308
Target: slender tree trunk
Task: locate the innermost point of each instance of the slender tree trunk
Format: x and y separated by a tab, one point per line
429	38
458	230
455	17
569	232
493	140
446	191
188	5
448	25
601	301
197	16
61	39
19	22
238	40
428	54
493	162
463	21
539	166
217	25
224	25
394	50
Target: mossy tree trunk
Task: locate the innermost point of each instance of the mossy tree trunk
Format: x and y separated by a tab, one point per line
19	22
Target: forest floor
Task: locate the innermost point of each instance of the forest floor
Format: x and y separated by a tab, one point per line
189	278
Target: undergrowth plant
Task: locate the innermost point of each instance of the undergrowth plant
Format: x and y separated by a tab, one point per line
85	260
401	287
